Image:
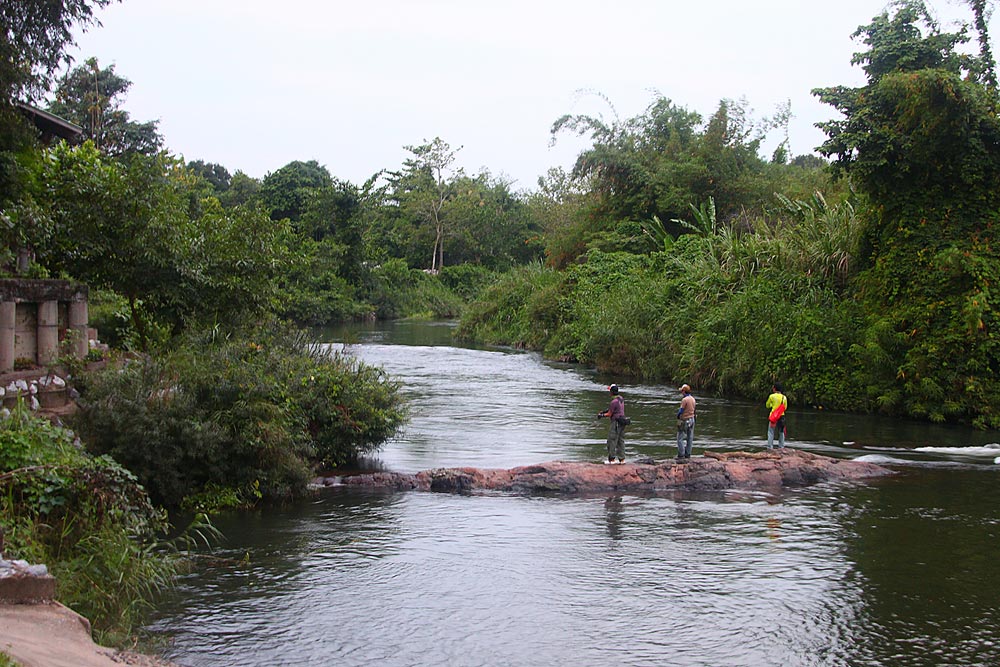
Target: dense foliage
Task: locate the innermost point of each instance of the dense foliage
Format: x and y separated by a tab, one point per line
252	411
87	518
877	301
729	312
922	140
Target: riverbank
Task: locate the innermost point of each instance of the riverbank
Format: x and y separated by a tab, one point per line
49	634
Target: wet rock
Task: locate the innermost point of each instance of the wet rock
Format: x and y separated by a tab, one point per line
732	470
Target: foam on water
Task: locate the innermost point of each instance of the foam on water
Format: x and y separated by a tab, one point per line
991	449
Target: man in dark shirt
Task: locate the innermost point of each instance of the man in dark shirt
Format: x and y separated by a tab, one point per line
616	433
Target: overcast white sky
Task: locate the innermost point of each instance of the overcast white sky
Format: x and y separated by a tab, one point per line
255	84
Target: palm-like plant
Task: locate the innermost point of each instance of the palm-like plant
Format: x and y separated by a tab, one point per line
705	223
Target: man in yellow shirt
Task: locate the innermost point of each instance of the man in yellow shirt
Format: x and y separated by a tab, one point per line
776	404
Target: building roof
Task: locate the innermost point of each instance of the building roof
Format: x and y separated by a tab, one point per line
50	125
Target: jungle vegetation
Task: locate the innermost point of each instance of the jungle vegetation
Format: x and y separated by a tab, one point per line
865	285
673	249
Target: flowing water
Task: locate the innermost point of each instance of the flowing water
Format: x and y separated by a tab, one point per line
900	571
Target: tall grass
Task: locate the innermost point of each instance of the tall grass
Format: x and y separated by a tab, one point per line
730	309
522	308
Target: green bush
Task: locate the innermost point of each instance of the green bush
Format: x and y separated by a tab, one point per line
397	291
502	317
467	280
350	408
87	518
251	410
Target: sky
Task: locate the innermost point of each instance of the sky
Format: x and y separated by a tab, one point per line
255	84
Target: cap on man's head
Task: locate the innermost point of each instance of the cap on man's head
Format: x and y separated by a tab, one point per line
613	388
685	389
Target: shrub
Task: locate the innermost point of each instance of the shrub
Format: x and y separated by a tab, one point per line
467	280
398	291
87	518
502	316
248	410
350	408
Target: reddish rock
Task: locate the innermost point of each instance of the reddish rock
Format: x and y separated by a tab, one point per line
23	588
733	470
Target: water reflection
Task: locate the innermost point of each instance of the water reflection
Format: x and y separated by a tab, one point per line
613	516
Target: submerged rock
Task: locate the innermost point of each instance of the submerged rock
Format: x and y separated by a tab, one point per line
713	471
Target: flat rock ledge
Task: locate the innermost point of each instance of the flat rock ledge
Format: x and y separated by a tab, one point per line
710	472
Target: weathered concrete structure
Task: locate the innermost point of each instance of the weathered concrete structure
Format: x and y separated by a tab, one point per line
37	315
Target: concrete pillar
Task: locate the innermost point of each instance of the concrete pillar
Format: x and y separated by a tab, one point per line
48	331
78	320
8	324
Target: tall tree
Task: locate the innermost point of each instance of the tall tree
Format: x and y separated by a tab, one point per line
426	181
34	36
665	159
215	174
981	10
92	98
243	189
920	136
490	225
922	141
287	191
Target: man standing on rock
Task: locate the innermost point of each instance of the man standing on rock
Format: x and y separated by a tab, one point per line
776	403
685	424
616	432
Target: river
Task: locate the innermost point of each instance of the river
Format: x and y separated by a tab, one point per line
900	571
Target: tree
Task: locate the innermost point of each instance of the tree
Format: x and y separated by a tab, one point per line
922	141
921	135
33	42
91	97
124	225
287	191
489	225
730	148
332	216
662	161
981	14
329	212
559	209
34	35
215	174
243	189
425	189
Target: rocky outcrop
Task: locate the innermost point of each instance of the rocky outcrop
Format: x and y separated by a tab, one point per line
733	470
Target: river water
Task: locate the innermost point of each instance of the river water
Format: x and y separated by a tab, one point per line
900	571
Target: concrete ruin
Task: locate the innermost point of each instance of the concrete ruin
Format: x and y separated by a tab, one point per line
38	318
